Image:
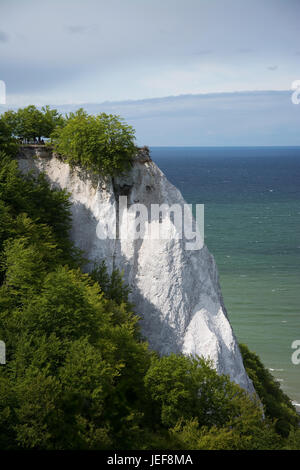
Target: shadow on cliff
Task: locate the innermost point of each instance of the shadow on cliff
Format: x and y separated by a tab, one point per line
157	330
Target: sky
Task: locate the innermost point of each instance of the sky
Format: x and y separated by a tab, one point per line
69	52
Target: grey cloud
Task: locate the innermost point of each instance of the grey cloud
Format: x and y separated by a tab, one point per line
146	43
272	67
244	50
204	52
76	29
25	78
4	37
80	29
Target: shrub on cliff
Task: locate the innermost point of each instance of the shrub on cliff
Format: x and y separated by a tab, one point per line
103	143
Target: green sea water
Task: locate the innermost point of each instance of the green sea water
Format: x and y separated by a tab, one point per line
252	227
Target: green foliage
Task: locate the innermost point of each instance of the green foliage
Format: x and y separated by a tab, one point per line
112	285
31	123
188	387
277	404
103	143
246	432
293	440
74	377
28	123
7	142
31	195
78	375
51	119
204	410
66	363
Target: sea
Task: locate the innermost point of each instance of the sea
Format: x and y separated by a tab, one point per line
251	198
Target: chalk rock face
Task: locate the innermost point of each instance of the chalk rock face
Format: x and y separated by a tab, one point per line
175	290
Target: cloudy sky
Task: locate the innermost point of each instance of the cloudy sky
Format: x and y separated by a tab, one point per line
94	51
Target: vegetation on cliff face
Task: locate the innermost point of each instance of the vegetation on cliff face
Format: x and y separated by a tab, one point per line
78	374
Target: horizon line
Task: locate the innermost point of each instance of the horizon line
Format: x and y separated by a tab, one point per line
224	146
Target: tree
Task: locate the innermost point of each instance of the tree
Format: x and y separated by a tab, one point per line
188	387
51	119
30	123
10	119
32	195
246	432
7	142
77	374
112	285
103	143
277	404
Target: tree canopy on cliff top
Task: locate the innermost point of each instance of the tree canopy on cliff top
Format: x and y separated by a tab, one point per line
30	124
104	143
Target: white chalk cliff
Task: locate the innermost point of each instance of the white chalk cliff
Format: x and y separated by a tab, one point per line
175	291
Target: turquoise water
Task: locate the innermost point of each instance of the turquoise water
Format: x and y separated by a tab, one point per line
252	227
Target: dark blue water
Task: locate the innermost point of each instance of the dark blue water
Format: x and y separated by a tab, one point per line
252	227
